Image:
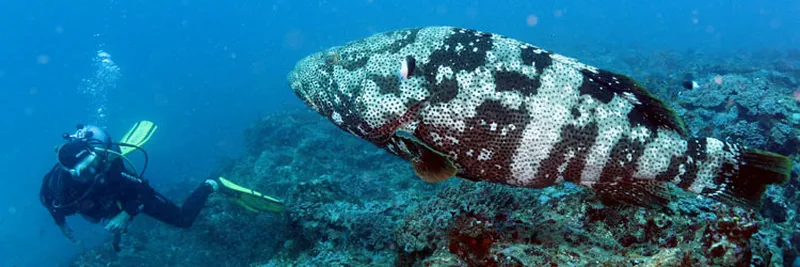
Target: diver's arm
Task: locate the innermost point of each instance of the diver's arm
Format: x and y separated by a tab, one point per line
45	197
67	231
118	224
57	215
132	191
60	219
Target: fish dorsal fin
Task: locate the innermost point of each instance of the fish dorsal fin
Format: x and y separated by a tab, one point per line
429	164
648	109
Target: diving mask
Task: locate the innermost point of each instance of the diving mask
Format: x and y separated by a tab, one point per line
79	159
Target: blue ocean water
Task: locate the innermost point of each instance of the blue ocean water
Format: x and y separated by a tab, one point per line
205	70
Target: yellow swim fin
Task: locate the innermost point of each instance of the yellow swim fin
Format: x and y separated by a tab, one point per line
138	135
250	199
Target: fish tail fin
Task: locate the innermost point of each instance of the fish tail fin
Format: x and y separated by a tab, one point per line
744	179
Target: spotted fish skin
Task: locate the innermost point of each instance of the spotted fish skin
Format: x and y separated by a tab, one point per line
505	111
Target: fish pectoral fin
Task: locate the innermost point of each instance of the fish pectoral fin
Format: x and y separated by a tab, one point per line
433	167
642	193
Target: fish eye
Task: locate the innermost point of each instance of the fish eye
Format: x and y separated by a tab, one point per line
331	58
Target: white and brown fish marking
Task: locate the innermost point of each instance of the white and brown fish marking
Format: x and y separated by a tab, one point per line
486	107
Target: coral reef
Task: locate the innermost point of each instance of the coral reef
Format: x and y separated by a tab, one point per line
349	204
747	109
493	225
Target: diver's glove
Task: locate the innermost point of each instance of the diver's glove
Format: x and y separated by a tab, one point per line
118	223
67	232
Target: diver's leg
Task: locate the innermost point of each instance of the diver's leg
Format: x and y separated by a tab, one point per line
160	208
196	201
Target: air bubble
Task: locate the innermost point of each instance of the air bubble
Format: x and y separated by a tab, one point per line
96	88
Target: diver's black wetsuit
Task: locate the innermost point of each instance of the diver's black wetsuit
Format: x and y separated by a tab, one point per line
113	191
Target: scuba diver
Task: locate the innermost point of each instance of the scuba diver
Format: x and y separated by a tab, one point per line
95	178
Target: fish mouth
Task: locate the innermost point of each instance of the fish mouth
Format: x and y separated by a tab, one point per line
307	81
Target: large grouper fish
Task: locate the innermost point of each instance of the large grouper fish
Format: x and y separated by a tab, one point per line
485	107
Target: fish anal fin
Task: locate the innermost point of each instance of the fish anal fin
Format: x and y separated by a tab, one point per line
642	193
433	167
